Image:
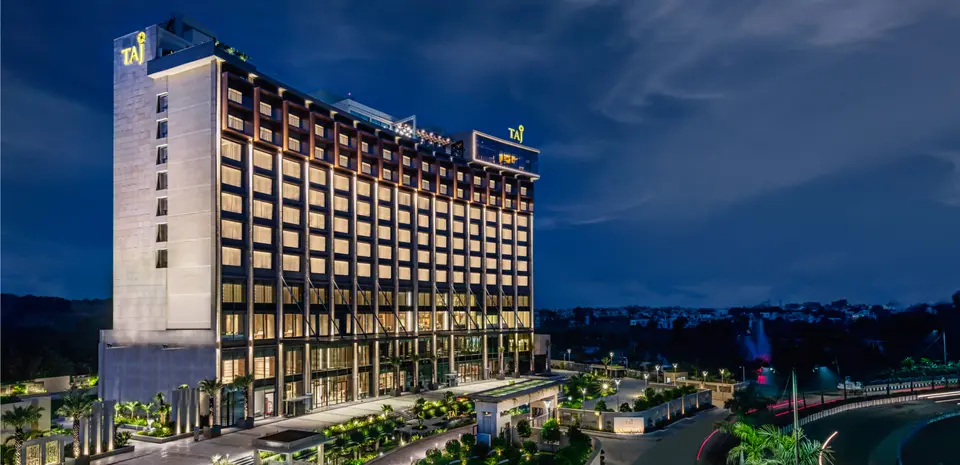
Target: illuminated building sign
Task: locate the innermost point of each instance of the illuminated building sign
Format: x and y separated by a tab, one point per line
506	159
134	55
517	134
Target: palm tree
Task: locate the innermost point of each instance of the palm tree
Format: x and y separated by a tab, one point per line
76	405
130	407
606	363
18	418
243	383
387	408
768	446
161	407
211	387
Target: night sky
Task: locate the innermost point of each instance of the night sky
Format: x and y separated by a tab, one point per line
693	153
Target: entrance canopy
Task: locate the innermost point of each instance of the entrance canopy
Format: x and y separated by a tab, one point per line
288	443
539	393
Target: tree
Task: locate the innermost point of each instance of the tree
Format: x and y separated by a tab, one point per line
746	400
601	406
453	447
161	408
625	407
523	429
18	418
908	364
550	432
211	387
387	408
76	405
767	445
606	365
243	383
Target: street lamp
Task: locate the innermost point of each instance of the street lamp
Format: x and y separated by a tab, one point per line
617	381
704	376
743	374
569	356
584	392
674	373
658	373
646	378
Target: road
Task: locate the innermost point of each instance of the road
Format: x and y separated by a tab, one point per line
927	447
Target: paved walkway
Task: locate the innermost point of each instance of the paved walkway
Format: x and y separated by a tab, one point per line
239	443
678	443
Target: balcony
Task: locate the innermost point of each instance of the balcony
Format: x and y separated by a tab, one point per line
297	123
240	125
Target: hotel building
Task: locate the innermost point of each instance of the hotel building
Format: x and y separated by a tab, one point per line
334	251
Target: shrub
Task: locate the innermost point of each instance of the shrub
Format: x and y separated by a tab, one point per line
625	407
601	406
468	440
551	431
530	447
121	439
452	447
523	429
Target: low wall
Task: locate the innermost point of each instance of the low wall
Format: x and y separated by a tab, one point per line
607	421
843	408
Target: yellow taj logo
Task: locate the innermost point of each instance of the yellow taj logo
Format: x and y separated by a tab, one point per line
517	134
507	159
133	55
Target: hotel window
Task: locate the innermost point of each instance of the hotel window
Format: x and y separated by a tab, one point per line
341	225
230	256
291	215
521	265
294	144
477	181
235	95
384	251
522	250
266	109
231	203
403	217
383	212
441	241
458	243
262	234
475	278
423	256
441	224
493	184
405	199
262	260
317	220
403	235
388	175
341	203
426	167
162	258
491	232
384	271
230	149
162	206
407	161
161	103
318	176
460	176
318	198
387	155
506	249
474	245
162	155
161	129
233	293
344	140
263	160
423	220
407	181
291	168
492	216
341	268
232	367
404	273
507	218
523	280
319	130
266	134
262	209
385	194
263	326
293	120
162	232
363	249
443	171
458	260
363	229
423	238
508	187
318	242
423	202
523	190
291	191
403	254
423	274
475	262
383	232
363	188
341	246
363	270
291	263
522	220
442	206
507	280
262	184
162	181
318	265
507	264
291	239
341	182
229	176
460	193
458	277
458	226
344	161
265	361
231	229
477	197
365	147
234	123
507	234
319	153
263	293
474	229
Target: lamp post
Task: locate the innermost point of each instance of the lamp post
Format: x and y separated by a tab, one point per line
704	372
569	356
743	374
584	392
646	380
658	373
674	373
617	382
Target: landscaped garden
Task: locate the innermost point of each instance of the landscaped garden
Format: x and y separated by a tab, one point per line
468	451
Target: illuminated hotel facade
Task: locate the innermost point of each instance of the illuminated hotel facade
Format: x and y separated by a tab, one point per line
335	252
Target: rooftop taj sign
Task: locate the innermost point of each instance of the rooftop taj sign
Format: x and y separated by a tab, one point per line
134	55
517	134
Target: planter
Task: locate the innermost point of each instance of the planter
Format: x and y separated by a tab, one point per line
415	390
153	440
210	432
397	392
117	451
82	460
433	386
245	423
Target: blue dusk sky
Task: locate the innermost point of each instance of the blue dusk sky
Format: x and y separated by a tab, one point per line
703	153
